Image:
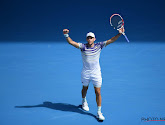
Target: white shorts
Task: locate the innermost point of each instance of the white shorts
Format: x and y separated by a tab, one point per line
96	79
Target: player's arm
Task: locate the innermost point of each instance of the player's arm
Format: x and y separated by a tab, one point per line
113	39
69	40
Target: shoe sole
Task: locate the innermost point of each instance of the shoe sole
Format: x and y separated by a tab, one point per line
99	118
84	109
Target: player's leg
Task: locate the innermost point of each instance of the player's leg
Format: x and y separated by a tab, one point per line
98	96
84	91
84	100
85	83
98	101
97	82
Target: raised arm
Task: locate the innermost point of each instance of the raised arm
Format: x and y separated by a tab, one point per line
113	39
69	40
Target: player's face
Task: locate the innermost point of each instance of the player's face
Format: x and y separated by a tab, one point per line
90	40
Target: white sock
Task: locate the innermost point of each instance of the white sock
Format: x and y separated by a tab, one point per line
84	99
99	109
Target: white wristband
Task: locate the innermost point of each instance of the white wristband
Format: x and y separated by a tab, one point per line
66	35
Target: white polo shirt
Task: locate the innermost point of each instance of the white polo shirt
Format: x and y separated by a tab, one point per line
90	58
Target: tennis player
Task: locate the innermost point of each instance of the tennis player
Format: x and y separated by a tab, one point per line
91	71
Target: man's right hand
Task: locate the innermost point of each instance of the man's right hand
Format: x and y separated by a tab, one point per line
65	31
69	40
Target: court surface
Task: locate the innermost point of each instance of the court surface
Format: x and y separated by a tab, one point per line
40	84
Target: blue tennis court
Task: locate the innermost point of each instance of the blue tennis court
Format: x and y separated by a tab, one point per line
40	84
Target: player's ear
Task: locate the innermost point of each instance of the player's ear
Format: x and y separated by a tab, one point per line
95	39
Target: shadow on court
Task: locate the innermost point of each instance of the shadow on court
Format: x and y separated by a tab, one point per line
61	107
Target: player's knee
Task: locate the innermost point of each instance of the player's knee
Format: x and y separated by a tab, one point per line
85	88
97	92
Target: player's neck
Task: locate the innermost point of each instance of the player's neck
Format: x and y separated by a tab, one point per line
90	45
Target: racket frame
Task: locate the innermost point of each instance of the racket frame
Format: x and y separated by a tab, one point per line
121	20
121	26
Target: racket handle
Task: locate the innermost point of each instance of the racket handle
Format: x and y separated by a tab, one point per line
125	37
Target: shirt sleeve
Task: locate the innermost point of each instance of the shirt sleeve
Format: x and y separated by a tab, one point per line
81	46
103	44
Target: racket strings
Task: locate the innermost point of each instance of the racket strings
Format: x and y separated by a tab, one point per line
117	22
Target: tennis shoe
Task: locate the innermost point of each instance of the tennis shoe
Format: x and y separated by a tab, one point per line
100	116
85	106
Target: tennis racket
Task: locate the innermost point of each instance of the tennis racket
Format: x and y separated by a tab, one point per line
117	22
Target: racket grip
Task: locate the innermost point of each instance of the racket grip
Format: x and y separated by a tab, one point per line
126	37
